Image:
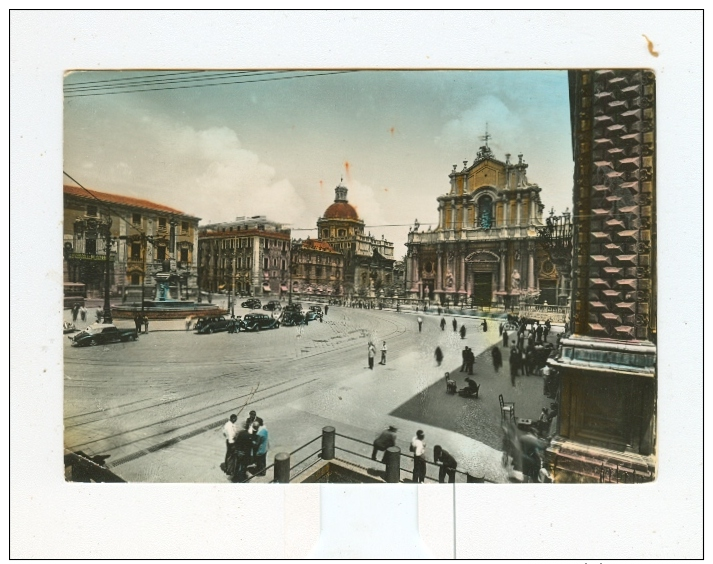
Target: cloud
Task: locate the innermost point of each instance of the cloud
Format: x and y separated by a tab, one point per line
463	133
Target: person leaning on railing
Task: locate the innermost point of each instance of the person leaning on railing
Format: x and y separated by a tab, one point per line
447	464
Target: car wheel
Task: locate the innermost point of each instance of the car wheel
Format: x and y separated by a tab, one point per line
134	337
257	328
93	343
210	331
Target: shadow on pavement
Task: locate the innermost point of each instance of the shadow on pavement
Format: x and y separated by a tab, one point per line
479	418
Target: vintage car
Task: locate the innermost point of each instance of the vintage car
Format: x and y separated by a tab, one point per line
258	322
272	305
292	317
252	303
213	324
101	334
313	313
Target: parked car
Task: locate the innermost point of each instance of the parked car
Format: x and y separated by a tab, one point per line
252	303
258	322
314	312
292	317
213	324
272	305
101	334
294	306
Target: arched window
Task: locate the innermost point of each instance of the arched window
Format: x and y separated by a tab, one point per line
325	233
485	212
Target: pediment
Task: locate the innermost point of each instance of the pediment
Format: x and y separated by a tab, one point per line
482	256
486	173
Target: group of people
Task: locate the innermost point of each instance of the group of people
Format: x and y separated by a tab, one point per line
141	321
468	360
79	311
524	451
246	446
447	464
371	354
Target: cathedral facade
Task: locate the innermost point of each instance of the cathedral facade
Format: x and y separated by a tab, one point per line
485	249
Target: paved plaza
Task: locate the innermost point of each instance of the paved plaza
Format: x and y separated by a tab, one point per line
157	406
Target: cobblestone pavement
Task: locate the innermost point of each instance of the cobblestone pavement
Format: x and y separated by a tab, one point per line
157	405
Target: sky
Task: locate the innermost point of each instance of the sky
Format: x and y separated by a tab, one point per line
279	147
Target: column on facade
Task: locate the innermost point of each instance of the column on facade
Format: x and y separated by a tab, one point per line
518	216
506	210
531	269
503	257
414	272
461	285
439	271
454	211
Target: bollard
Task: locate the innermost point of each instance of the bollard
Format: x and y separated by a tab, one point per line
392	459
474	480
328	438
282	468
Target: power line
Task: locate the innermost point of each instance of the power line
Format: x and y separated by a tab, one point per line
105	204
79	87
204	85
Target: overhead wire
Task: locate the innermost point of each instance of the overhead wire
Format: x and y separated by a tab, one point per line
79	87
72	95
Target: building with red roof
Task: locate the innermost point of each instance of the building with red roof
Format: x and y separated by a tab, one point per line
146	238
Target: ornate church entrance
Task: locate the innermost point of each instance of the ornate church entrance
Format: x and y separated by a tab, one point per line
482	288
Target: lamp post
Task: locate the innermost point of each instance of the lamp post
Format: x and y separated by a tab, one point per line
556	237
104	227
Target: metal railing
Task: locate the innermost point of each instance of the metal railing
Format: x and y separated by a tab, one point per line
389	469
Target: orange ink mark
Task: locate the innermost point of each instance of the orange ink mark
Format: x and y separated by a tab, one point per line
651	46
392	131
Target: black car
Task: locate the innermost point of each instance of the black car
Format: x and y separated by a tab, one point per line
292	317
101	334
272	305
258	322
294	306
252	303
213	324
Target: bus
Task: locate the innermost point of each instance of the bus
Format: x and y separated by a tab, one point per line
74	293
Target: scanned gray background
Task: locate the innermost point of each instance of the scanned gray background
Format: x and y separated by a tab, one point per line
52	519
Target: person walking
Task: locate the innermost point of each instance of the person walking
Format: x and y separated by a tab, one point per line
505	339
497	358
386	439
189	320
383	353
326	310
538	333
443	323
262	444
230	430
83	313
455	325
464	356
484	325
418	448
146	324
371	353
514	363
471	360
137	323
439	355
447	465
462	331
75	312
420	323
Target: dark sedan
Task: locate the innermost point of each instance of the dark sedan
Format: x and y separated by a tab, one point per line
258	322
291	318
272	305
253	303
213	324
312	314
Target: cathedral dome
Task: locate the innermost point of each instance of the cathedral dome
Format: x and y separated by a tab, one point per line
341	208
